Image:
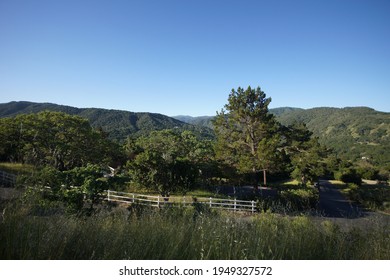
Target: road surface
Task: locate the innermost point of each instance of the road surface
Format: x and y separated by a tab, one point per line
333	204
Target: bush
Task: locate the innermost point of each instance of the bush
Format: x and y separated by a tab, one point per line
375	197
77	189
348	175
301	198
368	173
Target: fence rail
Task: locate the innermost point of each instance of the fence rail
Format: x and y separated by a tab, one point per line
160	201
7	179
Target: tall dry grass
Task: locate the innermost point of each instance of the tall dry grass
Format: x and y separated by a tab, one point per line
142	233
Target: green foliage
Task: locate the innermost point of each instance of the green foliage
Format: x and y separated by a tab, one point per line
300	198
308	160
348	175
353	133
168	161
249	139
79	189
375	197
247	135
54	139
368	171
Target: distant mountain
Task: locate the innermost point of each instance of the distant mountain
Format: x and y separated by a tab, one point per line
352	132
284	110
205	121
118	124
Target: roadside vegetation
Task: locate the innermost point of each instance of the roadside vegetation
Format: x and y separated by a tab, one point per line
375	197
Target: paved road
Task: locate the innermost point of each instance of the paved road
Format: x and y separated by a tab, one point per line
333	204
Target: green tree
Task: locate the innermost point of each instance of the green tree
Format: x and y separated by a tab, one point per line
167	160
85	184
308	157
309	162
348	175
55	139
247	134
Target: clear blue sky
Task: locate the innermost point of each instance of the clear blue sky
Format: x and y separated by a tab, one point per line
184	57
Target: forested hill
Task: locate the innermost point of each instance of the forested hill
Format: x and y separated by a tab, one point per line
353	132
118	124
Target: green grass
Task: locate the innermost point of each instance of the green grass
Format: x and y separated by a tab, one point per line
143	233
17	168
177	197
291	182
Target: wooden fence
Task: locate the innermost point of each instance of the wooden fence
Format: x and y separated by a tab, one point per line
160	201
7	179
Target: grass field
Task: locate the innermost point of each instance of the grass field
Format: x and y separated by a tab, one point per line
143	233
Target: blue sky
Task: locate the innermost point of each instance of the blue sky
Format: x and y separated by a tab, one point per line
184	57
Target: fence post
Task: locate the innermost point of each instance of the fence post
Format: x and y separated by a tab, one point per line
235	204
253	207
211	202
158	201
184	201
108	195
133	198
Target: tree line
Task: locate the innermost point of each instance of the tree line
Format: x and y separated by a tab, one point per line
248	140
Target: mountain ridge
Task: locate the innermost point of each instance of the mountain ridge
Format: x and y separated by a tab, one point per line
119	124
352	132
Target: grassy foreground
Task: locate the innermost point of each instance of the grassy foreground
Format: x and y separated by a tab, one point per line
183	234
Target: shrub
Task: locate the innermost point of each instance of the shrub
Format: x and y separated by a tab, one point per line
301	198
368	173
348	175
376	197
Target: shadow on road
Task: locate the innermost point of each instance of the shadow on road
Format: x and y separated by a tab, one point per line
334	204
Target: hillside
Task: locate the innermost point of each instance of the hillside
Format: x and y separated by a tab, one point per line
353	133
118	124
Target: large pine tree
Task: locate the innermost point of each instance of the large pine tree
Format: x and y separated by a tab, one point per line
247	134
